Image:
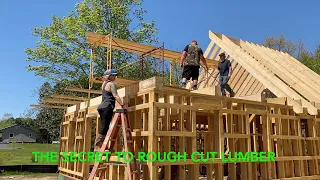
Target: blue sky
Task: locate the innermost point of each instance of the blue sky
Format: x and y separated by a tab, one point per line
178	21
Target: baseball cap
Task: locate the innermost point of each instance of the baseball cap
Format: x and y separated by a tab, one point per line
222	54
110	72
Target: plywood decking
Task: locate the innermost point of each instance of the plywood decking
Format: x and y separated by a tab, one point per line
167	119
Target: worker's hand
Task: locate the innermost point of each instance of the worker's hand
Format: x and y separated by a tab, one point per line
123	106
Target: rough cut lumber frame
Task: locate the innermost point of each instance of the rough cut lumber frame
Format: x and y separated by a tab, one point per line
172	119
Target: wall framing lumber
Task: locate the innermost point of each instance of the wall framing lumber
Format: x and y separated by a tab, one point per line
172	119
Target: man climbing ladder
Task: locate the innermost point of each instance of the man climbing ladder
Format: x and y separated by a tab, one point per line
120	119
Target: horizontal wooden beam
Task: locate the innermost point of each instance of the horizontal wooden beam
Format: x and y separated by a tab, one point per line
48	106
118	81
137	48
48	100
83	90
61	96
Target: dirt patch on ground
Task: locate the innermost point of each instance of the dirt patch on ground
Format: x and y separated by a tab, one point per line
21	177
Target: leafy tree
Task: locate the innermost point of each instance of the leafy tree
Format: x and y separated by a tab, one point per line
7	116
312	60
280	44
6	123
62	50
49	119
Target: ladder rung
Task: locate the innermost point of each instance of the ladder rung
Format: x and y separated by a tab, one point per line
130	141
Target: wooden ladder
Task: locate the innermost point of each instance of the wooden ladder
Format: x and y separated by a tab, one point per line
120	119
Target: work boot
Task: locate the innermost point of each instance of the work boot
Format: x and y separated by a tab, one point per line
183	85
98	142
194	87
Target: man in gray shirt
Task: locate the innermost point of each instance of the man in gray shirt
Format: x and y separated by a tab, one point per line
225	71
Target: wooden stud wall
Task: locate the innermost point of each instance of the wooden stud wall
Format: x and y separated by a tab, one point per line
167	119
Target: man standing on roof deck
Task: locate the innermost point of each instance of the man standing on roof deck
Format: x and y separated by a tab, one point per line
225	71
190	61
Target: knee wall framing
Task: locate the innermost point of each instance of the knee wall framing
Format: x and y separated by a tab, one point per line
168	119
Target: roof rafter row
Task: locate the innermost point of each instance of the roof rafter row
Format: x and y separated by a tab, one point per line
275	70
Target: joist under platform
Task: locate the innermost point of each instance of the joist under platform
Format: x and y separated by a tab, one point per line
165	119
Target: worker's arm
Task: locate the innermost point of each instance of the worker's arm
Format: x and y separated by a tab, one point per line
230	70
115	93
183	57
204	61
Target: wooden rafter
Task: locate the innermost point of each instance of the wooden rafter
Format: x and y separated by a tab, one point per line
61	96
279	68
49	100
260	73
83	90
48	106
137	48
297	69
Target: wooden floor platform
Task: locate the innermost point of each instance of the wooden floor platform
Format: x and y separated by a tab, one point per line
166	119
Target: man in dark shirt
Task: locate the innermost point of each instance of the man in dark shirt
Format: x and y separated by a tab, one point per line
225	71
190	61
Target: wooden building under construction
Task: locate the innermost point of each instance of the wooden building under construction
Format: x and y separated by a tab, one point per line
276	109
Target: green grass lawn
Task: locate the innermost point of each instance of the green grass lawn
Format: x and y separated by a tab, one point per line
28	174
23	156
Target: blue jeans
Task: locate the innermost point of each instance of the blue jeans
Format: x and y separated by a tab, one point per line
223	83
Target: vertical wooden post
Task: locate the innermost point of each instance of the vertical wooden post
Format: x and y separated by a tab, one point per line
153	140
87	145
218	143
